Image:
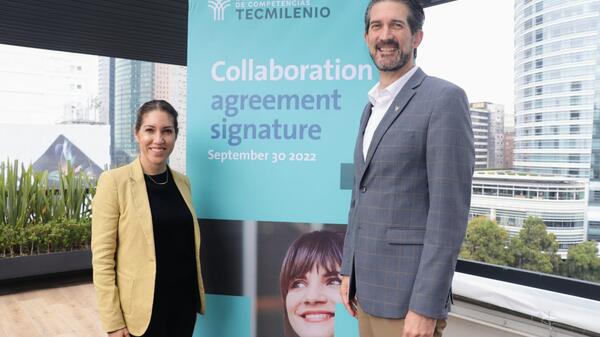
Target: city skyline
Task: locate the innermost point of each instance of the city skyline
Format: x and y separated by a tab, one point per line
556	62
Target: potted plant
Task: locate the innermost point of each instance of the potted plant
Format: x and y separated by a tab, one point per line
45	224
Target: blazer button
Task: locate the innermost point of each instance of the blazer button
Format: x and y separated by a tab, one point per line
363	189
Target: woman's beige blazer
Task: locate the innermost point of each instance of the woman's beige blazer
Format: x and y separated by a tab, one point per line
123	248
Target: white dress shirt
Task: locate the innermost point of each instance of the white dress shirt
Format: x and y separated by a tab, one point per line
382	100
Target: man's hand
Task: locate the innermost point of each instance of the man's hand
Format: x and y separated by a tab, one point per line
416	325
344	291
119	333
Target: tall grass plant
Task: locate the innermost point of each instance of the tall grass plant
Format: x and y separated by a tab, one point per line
38	216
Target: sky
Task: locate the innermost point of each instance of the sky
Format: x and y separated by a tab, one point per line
470	43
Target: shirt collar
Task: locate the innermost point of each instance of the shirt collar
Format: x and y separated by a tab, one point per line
391	90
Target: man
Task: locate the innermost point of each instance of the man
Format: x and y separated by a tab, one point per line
413	162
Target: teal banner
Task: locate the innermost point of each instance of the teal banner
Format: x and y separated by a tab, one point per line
229	316
275	93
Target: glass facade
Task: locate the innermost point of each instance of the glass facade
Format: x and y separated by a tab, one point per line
594	231
134	85
543	192
556	85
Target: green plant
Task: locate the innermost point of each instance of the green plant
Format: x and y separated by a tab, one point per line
485	241
3	195
533	248
582	262
74	193
17	192
38	216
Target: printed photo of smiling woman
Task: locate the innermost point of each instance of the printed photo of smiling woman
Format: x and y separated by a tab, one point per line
310	282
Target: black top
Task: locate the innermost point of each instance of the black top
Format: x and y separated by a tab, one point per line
173	229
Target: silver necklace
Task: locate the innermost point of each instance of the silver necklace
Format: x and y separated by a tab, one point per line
157	183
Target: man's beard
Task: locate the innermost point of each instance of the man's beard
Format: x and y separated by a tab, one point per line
401	61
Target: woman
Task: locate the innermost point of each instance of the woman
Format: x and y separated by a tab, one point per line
145	238
310	283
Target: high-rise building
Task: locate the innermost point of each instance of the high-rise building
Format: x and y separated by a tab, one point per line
557	115
509	147
488	130
106	97
134	85
106	88
136	82
557	57
45	87
496	159
170	83
481	124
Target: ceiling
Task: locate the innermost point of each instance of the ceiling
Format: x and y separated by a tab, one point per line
149	30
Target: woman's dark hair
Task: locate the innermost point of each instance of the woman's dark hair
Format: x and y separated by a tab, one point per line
157	104
320	248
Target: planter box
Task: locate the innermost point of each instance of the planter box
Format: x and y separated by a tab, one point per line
44	264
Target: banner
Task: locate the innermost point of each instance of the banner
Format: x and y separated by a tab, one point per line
275	93
273	279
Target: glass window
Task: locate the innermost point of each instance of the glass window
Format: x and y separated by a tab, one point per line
73	109
539	6
539	35
539	63
539	20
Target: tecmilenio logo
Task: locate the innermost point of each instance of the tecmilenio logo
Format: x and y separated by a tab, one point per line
218	7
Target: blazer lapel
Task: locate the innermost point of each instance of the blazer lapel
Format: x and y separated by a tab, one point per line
398	105
139	195
359	158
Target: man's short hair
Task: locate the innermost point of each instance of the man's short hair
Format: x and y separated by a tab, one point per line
416	15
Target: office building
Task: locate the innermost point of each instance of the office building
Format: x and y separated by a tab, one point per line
47	87
509	147
556	83
488	131
171	85
134	85
509	198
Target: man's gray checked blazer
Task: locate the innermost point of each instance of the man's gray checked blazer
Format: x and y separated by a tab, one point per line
410	201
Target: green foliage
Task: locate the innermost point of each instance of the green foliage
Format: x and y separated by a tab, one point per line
583	262
37	216
74	194
3	194
485	241
17	191
534	248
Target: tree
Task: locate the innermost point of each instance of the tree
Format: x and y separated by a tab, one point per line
534	248
485	241
583	262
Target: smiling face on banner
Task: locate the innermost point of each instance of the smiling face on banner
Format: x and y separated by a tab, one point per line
310	302
310	283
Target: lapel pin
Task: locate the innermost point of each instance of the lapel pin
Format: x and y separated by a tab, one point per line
396	108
